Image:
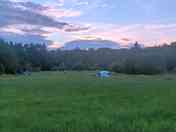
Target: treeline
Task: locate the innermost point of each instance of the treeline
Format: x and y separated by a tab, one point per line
17	58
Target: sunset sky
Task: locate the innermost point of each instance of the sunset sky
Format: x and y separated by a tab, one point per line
55	22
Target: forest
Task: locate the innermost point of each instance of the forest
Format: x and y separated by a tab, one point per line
16	58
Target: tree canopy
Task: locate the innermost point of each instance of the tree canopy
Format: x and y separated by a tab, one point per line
16	57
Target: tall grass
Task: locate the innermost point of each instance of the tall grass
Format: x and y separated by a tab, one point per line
81	102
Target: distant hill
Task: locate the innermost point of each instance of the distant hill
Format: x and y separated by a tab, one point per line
88	44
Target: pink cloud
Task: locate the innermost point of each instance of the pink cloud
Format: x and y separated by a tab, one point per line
147	34
54	45
59	13
12	29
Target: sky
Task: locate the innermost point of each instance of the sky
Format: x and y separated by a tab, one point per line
55	22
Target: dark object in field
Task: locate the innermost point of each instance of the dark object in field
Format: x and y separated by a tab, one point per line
27	73
23	72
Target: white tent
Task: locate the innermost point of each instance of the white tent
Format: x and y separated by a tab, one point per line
104	74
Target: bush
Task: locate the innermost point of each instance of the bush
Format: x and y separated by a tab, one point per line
118	67
55	68
174	70
2	69
141	64
36	69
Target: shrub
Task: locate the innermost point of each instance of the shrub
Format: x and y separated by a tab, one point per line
141	64
36	69
2	69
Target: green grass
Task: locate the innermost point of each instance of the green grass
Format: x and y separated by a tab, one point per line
81	102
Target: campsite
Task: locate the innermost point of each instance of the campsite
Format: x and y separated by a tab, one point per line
81	102
87	66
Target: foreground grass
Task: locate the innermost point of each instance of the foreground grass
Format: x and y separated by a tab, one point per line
80	102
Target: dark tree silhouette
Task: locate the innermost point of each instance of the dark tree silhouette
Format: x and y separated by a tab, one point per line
18	57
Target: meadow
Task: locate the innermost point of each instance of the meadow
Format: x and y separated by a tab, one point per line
81	102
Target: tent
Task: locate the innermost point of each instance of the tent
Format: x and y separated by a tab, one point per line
104	74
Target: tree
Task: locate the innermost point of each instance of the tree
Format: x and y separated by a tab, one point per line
8	58
2	69
20	57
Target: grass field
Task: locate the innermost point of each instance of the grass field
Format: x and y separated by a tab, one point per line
81	102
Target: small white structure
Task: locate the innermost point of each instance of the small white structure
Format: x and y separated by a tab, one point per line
104	74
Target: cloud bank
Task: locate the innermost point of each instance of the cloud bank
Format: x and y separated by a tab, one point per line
28	21
55	22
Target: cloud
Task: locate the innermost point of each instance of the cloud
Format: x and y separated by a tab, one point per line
18	38
13	13
56	13
11	29
126	39
76	28
147	34
54	45
33	22
82	3
61	1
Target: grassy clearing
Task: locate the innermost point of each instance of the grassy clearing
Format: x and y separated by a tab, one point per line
80	102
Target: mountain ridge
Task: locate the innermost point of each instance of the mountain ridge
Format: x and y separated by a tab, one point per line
90	44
